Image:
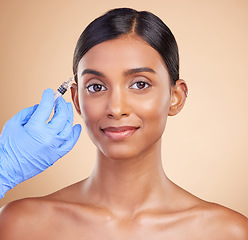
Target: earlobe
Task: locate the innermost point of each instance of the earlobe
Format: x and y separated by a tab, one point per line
179	94
74	96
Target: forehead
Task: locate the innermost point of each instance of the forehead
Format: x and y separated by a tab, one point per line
123	53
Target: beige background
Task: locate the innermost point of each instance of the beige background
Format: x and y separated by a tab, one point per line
205	147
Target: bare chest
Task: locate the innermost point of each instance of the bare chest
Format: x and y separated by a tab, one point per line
107	228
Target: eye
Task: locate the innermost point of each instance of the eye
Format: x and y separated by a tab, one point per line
96	87
140	85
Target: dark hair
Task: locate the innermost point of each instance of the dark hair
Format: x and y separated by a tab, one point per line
122	21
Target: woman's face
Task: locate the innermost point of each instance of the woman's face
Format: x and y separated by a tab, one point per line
124	96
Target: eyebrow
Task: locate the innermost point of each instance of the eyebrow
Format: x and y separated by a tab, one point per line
91	71
138	70
126	73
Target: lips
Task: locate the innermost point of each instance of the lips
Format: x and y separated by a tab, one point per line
119	133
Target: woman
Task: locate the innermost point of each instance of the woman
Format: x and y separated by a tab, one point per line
127	83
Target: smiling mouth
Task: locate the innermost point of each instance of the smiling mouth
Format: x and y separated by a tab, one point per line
119	133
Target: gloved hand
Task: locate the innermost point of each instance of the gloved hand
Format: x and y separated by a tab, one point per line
29	145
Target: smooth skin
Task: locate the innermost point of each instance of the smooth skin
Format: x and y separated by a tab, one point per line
123	82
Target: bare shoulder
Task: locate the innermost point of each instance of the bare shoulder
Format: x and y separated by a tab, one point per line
223	223
22	218
41	217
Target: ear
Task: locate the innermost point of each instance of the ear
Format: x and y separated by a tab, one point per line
179	94
74	96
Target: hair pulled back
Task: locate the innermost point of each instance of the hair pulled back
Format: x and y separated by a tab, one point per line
120	21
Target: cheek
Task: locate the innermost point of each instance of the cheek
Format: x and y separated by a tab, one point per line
154	107
154	113
86	108
91	111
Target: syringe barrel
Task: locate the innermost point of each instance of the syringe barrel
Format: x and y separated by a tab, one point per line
57	94
62	89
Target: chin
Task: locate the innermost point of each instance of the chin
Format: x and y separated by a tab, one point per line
120	152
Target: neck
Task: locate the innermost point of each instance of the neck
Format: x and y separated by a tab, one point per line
128	185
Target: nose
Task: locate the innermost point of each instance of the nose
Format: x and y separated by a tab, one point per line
117	104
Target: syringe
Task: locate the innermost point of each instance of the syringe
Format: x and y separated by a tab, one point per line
63	88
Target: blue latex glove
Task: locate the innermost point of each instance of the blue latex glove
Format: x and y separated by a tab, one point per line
29	145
